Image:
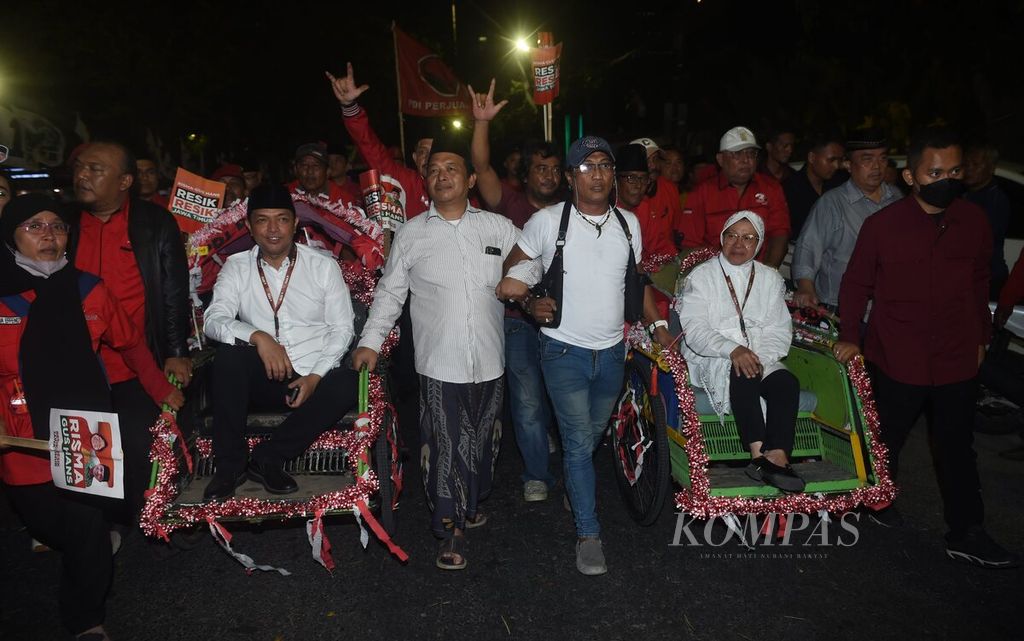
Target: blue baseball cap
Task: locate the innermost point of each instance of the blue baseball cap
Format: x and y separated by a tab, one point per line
582	148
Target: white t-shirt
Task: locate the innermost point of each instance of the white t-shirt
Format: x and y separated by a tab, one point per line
595	271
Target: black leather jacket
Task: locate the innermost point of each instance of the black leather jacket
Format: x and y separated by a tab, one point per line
160	254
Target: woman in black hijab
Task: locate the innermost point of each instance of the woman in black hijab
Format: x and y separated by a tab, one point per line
52	319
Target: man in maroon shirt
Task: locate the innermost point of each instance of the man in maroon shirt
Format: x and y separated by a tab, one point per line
924	261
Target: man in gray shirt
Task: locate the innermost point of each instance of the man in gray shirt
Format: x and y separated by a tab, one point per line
448	261
831	230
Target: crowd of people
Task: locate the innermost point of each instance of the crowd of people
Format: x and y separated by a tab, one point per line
513	292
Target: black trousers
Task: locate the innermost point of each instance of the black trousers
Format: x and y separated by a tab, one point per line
136	413
949	411
404	379
82	534
776	427
1003	370
240	382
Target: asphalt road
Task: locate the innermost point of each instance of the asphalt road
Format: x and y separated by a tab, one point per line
521	582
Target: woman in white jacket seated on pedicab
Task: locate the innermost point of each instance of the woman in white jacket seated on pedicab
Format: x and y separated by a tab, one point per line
737	330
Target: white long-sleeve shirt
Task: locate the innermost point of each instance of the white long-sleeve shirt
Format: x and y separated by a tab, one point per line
316	319
449	272
711	325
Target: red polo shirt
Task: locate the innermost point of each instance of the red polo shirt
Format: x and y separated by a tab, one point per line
712	202
105	250
929	283
657	215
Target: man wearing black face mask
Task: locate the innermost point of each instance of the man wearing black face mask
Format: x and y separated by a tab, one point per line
924	260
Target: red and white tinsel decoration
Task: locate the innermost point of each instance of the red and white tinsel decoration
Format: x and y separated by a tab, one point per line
351	214
655	262
199	240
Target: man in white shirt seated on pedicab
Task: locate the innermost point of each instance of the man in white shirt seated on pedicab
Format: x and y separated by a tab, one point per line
285	317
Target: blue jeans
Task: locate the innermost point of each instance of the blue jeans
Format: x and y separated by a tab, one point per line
531	416
584	385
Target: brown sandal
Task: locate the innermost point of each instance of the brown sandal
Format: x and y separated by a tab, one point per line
451	554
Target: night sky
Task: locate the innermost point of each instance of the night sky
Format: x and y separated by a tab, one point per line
249	76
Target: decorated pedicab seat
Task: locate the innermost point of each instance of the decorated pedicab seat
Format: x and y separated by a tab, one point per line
702	403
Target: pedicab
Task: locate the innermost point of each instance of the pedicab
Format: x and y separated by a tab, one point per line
354	468
666	429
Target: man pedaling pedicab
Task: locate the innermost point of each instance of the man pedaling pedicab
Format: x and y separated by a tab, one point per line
284	315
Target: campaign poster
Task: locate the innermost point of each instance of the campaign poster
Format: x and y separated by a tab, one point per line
546	73
383	199
194	200
85	452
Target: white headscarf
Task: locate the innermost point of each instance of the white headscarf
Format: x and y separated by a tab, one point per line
741	271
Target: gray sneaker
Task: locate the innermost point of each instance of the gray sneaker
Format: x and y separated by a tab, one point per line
535	491
589	557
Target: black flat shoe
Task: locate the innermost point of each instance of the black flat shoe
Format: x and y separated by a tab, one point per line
782	477
754	469
272	477
222	486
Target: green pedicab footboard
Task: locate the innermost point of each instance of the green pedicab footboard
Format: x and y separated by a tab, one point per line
830	446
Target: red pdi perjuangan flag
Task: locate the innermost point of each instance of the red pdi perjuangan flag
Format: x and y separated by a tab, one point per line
428	85
545	73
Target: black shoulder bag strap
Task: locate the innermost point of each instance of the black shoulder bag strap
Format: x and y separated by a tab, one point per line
551	284
635	282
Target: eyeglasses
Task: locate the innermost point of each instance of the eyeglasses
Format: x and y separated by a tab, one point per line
38	229
748	240
635	179
593	168
743	154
